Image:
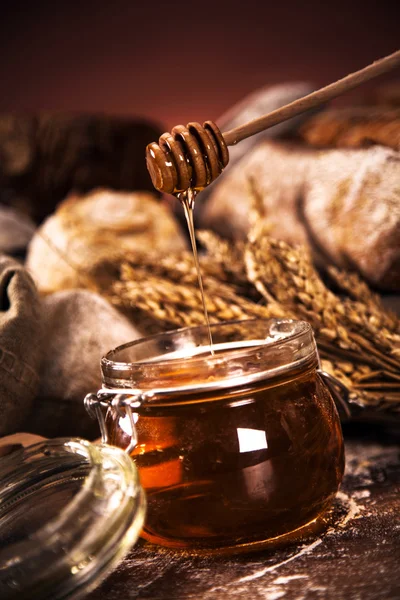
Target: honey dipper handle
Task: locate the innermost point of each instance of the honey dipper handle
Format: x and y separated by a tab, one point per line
314	99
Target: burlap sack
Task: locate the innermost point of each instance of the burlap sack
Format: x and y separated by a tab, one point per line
20	344
80	328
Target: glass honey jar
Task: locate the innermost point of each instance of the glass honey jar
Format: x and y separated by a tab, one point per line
238	446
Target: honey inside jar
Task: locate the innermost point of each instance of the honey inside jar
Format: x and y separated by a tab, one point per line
235	449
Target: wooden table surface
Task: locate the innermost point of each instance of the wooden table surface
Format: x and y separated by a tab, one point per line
357	558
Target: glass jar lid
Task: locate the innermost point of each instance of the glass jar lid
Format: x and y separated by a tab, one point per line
69	510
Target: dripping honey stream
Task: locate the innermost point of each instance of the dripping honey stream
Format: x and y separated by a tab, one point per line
187	199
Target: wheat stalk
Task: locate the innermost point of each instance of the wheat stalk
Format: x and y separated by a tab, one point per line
181	304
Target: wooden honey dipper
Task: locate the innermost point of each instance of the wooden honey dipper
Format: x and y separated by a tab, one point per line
194	156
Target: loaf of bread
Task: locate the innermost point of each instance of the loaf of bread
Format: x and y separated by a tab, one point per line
343	203
354	127
87	229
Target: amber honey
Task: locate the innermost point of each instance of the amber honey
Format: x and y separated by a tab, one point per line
240	463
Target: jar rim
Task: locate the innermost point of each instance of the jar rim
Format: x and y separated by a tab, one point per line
280	346
303	326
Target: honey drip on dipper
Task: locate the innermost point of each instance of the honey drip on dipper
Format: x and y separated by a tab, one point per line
183	163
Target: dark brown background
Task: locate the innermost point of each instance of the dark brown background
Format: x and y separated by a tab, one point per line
180	60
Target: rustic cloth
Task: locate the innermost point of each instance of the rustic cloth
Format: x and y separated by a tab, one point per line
20	344
80	328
